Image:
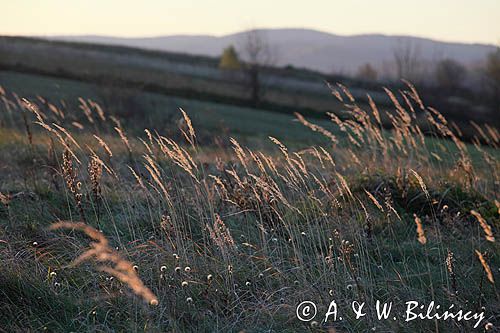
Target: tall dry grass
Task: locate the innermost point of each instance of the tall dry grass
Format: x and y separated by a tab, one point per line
239	230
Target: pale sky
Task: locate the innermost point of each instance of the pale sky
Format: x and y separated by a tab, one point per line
448	20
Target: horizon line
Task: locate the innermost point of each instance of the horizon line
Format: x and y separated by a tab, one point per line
259	28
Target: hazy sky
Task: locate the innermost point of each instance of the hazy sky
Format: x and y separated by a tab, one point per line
450	20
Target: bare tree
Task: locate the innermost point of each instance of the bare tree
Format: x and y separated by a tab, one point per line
492	72
257	54
407	59
450	74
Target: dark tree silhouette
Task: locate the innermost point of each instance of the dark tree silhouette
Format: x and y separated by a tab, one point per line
257	53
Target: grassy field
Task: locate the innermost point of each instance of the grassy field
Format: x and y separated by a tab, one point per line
169	73
226	218
159	112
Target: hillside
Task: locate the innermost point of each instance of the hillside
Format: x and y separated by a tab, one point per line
311	49
225	219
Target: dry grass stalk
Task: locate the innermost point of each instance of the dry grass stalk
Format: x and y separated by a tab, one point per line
137	178
375	111
335	92
178	155
156	175
103	144
86	109
190	135
374	200
346	91
486	267
220	185
258	161
68	135
73	185
101	162
414	94
5	199
124	139
101	251
281	146
450	266
56	111
316	128
98	109
344	184
55	132
328	156
421	183
486	228
77	125
24	103
95	174
220	235
420	230
240	153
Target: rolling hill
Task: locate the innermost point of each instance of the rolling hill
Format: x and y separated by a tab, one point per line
306	48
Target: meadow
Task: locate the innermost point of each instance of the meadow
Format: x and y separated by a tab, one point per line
125	210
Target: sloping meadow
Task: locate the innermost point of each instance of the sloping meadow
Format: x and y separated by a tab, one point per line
104	231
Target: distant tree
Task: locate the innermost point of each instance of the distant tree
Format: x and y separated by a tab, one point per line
407	59
229	59
450	74
367	72
492	72
257	53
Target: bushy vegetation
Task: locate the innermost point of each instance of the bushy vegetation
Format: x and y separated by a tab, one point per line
108	226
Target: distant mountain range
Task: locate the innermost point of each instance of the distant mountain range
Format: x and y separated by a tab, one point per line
306	48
